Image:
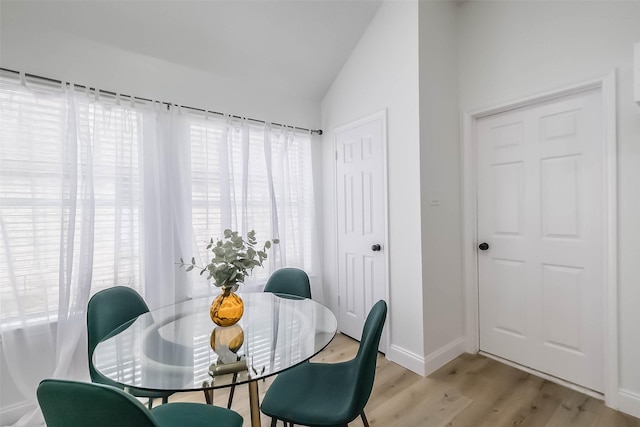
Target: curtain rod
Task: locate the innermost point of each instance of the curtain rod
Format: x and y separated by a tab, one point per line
168	104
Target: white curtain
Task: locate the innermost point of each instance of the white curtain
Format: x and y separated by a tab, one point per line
167	204
100	191
247	177
67	215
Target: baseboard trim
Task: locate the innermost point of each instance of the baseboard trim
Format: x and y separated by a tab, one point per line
629	402
406	359
425	366
444	355
12	413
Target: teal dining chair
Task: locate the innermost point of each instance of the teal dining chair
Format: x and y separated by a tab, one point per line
108	310
328	394
289	281
78	404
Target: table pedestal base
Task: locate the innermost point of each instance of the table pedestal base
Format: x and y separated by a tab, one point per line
254	400
254	403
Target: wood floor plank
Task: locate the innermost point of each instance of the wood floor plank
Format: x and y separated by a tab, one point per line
577	409
470	391
410	409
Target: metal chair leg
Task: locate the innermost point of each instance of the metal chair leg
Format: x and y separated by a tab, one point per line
233	390
150	403
274	423
165	399
364	419
208	393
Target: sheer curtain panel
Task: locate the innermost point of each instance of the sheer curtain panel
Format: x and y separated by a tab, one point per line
70	202
253	177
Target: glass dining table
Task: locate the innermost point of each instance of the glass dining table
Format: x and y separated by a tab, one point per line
178	348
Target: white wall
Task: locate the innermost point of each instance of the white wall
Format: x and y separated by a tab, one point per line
440	184
382	73
511	50
32	49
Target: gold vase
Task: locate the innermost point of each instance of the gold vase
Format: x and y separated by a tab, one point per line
227	308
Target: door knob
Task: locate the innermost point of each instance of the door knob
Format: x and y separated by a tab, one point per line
376	247
483	246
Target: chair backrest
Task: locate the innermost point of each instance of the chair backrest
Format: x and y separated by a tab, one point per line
77	404
106	311
289	281
368	353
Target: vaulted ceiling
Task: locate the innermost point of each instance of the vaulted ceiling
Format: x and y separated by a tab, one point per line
298	45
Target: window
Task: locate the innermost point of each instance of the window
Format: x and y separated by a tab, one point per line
67	165
72	195
248	177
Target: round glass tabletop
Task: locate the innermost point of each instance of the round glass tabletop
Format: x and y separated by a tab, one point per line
179	348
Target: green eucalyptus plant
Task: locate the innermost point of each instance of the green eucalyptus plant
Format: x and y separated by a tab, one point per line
233	258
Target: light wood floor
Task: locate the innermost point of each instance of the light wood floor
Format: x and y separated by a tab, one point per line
471	391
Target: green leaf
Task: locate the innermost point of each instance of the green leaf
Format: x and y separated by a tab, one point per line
218	251
276	241
234	257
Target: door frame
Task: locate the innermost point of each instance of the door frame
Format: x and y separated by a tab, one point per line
607	87
382	116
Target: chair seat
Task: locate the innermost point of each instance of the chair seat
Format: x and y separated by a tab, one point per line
181	414
314	394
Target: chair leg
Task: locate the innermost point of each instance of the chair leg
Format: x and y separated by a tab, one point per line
165	399
150	403
364	419
208	396
274	423
233	390
208	392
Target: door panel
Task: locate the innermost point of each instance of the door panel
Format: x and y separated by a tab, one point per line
540	209
360	223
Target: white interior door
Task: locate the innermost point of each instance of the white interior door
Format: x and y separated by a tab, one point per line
540	212
361	223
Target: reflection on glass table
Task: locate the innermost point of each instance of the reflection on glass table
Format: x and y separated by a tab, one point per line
178	347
